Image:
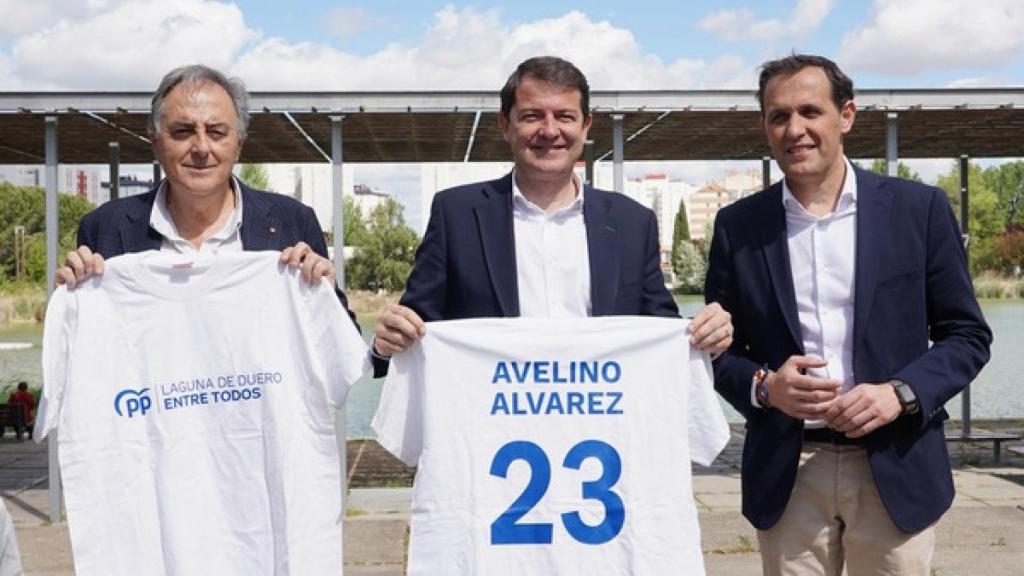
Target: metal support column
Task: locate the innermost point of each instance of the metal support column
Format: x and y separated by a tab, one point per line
965	230
51	271
338	228
157	174
588	161
892	144
619	176
766	171
115	170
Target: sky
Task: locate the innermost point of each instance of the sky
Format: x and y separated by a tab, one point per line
424	45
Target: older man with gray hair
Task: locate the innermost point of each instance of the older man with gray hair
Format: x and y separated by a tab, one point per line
197	125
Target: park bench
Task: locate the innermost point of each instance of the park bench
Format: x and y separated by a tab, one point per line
13	415
996	438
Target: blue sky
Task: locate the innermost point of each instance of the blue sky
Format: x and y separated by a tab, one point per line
320	44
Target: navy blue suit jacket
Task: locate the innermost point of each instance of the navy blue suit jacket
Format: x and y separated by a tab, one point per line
269	222
466	265
911	285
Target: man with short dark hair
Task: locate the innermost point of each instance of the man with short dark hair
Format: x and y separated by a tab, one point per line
197	124
837	279
537	242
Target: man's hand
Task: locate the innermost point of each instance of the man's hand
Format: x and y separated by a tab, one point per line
711	329
313	266
397	328
79	265
798	395
864	409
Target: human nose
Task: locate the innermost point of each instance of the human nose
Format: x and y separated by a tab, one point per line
200	142
549	128
795	127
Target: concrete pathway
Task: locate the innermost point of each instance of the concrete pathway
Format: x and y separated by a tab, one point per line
982	534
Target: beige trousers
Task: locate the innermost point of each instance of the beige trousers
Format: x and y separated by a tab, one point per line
835	517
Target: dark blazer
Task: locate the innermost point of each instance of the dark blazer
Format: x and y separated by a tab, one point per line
269	222
466	265
911	284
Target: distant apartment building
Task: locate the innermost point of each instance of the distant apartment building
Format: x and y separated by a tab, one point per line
705	203
83	181
312	184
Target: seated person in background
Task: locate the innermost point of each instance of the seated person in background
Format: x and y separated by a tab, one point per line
27	400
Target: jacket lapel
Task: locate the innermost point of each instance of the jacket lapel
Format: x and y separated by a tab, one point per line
497	237
602	251
873	202
137	235
776	253
260	229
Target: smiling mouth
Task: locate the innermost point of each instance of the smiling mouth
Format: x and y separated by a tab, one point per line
800	149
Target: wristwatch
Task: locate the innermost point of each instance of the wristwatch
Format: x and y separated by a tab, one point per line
908	400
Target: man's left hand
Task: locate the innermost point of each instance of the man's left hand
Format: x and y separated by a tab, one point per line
313	266
863	410
711	329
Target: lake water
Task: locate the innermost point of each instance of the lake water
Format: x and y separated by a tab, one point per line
997	392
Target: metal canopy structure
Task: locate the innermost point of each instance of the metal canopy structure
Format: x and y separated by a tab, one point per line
463	126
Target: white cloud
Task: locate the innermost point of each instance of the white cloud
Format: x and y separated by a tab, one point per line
610	57
348	21
913	36
742	26
21	17
128	46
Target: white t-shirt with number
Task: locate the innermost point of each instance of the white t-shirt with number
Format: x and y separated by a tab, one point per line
194	399
553	446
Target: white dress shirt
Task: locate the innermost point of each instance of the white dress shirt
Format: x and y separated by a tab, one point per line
552	258
228	238
822	260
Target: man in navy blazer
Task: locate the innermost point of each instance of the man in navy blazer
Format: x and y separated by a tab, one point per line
198	124
537	242
837	279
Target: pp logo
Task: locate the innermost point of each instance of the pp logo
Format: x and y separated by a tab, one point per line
130	402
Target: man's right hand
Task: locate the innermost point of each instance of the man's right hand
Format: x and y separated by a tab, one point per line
397	328
79	265
795	393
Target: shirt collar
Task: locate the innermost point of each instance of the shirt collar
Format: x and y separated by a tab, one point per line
161	221
847	195
521	203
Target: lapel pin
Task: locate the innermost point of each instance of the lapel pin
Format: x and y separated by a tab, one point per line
273	230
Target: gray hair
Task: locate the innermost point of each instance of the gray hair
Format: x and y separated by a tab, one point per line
194	74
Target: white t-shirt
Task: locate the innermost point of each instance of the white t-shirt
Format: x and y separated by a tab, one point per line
10	561
194	398
553	446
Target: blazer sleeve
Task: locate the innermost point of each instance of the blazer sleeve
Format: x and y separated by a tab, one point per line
734	371
426	289
958	331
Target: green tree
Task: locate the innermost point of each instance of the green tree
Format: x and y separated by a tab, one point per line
680	233
384	258
984	219
255	176
690	268
355	225
902	170
26	206
1007	181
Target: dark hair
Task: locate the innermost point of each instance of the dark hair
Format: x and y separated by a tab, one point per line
22	385
198	74
550	69
842	86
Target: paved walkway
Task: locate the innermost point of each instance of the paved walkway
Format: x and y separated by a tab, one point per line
982	534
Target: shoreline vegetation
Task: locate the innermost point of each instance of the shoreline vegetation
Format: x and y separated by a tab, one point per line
25	303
